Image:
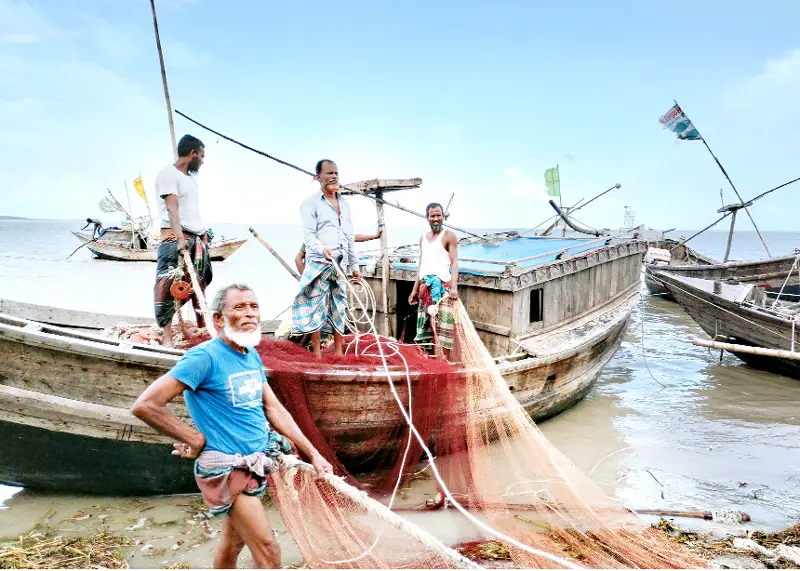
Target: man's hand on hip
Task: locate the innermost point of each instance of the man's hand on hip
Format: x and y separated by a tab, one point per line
190	449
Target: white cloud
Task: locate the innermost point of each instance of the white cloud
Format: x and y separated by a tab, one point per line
519	185
16	38
773	91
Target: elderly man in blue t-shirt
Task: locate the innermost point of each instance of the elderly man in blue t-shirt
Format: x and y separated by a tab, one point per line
232	405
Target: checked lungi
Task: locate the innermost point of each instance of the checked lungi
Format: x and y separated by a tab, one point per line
322	299
431	291
164	303
222	477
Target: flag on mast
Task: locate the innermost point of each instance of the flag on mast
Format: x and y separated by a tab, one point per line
138	185
553	181
676	121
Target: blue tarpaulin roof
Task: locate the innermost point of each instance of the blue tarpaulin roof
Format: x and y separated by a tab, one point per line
508	252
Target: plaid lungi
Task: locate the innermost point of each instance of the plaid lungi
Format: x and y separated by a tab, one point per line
441	329
163	302
322	299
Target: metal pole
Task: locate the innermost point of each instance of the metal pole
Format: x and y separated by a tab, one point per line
730	237
164	81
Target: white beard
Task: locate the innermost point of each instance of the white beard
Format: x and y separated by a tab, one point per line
242	338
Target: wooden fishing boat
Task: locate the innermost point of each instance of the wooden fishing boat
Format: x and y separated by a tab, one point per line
741	317
121	250
558	304
668	253
66	392
767	274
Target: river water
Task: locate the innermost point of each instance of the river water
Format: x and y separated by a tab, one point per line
667	426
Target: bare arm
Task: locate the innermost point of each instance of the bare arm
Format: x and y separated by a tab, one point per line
282	422
414	297
300	261
451	245
151	407
175	219
368	237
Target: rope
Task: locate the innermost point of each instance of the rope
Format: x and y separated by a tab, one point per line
794	265
644	349
429	454
293	464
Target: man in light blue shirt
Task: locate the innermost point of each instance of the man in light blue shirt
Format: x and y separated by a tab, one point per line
329	239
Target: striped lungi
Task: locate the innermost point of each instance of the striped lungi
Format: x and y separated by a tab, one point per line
322	299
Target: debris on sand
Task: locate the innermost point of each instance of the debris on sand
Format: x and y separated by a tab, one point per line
39	551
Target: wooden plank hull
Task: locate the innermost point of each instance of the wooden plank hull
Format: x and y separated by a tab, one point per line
64	392
66	462
119	251
722	317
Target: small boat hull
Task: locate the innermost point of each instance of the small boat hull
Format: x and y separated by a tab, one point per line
121	252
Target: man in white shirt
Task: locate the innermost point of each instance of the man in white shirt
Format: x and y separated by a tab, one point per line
329	239
181	230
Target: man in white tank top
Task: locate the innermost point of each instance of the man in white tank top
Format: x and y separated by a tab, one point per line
437	277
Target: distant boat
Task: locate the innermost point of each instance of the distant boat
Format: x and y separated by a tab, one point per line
116	245
668	254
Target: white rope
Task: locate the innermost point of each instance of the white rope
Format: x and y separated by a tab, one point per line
432	461
293	464
794	265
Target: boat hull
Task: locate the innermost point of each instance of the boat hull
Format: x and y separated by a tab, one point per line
59	460
724	318
120	252
70	393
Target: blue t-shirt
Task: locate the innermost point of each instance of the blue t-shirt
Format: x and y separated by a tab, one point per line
225	396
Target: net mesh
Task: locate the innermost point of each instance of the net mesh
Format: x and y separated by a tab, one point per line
492	463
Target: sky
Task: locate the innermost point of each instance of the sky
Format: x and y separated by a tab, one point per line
476	98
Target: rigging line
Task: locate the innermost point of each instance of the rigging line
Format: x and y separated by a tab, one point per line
760	196
309	173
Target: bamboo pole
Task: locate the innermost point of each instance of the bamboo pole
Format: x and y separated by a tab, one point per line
130	209
164	81
274	253
730	237
385	255
735	348
201	300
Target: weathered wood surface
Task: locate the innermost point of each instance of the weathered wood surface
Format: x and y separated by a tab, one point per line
682	255
570	289
521	278
713	307
84	320
67	387
107	250
66	317
772	271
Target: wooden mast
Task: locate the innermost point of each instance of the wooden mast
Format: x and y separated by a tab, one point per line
164	81
385	260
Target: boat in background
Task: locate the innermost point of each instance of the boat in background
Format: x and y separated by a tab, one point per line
759	325
118	247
